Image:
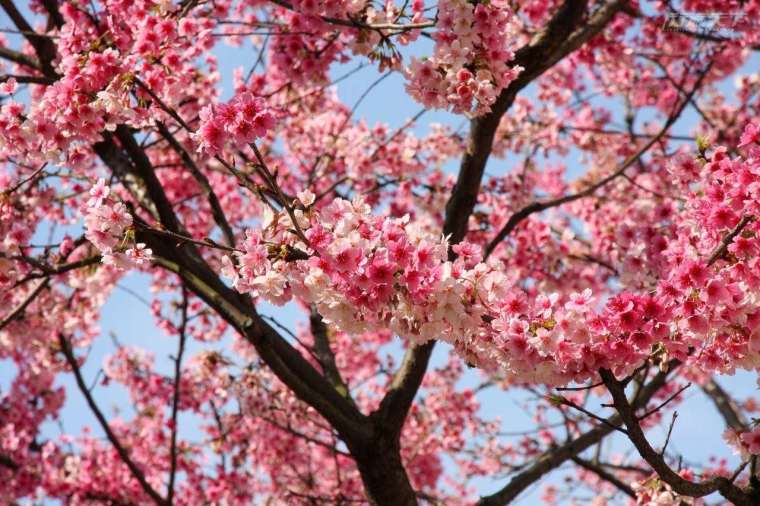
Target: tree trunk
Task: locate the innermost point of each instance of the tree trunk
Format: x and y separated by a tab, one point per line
385	480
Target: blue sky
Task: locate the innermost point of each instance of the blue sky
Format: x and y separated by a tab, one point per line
697	431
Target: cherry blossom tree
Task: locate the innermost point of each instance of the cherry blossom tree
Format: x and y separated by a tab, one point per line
606	295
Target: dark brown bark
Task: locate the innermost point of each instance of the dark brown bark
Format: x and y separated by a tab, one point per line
128	161
7	462
536	58
383	474
325	355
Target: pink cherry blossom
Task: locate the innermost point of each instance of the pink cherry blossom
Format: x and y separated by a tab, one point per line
751	440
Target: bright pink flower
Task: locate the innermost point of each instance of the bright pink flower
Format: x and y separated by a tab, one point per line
698	274
750	135
579	302
751	441
716	293
380	270
139	255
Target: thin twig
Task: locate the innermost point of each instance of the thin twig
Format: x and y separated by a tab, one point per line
24	303
137	473
728	239
539	206
670	431
176	396
664	403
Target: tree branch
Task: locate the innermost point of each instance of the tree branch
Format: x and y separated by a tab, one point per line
123	453
43	46
325	355
679	484
24	78
216	208
20	58
176	396
725	405
537	207
51	6
605	475
718	253
557	40
16	312
6	461
286	362
555	457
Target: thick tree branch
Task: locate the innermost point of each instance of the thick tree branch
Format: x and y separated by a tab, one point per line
144	170
547	48
51	6
385	484
121	167
325	355
555	457
7	462
725	405
20	58
287	363
43	46
25	79
557	40
679	484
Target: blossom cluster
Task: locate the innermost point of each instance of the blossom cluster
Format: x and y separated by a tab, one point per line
660	263
16	229
256	274
302	54
106	220
106	223
95	90
744	443
370	272
469	67
693	286
330	8
366	272
652	491
313	34
238	122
